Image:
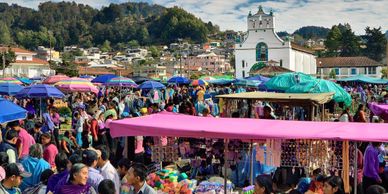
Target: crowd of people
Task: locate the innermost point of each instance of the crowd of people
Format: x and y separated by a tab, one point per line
38	156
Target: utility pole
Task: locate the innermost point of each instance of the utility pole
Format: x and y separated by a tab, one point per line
3	64
49	32
180	56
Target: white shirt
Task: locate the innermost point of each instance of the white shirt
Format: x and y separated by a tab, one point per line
110	172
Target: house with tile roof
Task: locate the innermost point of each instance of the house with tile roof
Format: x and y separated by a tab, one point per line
26	64
348	66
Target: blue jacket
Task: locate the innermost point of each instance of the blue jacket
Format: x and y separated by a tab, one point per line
34	166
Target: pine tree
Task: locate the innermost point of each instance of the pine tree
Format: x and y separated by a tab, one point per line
375	43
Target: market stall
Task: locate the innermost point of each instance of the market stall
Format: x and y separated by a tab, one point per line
309	102
177	125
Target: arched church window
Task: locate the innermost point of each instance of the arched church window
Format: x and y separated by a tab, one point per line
261	52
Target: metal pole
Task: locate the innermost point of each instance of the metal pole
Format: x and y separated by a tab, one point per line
355	167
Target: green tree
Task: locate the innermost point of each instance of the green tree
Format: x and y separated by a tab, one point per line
5	34
142	35
375	43
9	57
350	44
232	61
133	43
66	68
155	53
332	74
384	73
106	46
333	41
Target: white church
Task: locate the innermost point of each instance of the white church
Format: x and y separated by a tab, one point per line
261	45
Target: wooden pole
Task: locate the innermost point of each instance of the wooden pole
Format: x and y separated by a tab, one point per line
355	168
225	165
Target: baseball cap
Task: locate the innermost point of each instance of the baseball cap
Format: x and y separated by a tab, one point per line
16	169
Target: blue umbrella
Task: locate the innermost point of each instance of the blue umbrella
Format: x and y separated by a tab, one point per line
10	111
24	80
178	80
103	78
151	85
10	88
40	91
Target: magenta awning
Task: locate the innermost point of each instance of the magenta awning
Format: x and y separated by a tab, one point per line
178	125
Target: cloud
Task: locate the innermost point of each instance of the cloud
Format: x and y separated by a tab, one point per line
290	14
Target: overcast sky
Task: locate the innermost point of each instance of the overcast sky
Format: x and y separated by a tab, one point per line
290	14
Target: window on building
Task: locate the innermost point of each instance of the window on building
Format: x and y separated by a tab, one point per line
262	52
372	70
24	58
353	71
243	74
281	62
243	62
337	71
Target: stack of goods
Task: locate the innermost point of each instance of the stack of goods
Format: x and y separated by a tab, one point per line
169	181
249	190
206	187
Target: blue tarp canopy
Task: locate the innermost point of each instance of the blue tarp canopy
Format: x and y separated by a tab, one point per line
10	111
322	86
247	83
285	81
221	81
365	79
24	80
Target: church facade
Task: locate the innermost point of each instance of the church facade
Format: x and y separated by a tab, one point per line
261	45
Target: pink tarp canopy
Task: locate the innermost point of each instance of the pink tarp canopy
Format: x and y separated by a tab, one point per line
178	125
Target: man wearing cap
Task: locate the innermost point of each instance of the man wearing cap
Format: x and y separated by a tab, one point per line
89	158
14	175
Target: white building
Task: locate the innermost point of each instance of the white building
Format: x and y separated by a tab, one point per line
261	44
26	65
141	52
